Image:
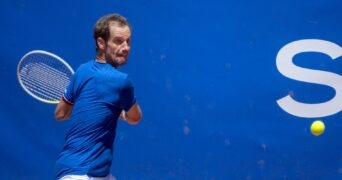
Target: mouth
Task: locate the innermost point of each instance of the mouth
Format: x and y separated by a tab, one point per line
124	56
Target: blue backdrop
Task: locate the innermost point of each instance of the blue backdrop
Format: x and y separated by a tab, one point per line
208	75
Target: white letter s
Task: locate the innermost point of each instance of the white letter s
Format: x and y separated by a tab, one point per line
287	68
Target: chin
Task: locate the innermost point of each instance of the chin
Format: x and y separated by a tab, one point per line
120	62
123	63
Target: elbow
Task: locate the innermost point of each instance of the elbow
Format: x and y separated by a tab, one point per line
60	116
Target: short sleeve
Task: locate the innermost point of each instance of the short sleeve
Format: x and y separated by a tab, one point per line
127	97
69	91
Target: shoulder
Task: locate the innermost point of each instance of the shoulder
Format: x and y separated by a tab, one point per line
83	67
113	73
123	79
127	83
86	65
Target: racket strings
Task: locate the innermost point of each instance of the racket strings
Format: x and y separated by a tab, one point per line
41	82
44	76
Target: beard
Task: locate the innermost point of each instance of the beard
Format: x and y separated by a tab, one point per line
116	61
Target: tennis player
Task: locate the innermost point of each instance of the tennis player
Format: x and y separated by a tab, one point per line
96	97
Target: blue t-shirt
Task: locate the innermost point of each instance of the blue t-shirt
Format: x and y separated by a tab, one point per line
99	92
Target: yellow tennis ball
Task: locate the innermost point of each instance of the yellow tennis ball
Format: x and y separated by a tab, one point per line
317	128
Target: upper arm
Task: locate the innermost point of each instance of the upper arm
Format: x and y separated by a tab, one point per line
63	110
129	104
64	107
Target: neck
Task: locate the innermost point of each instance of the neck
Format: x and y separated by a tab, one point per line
100	58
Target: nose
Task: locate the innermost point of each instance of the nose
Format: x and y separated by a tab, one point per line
125	47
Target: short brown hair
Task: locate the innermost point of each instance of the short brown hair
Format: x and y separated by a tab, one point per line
101	28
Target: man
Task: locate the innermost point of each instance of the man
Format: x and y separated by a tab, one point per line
95	98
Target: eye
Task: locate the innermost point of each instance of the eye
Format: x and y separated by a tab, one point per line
118	41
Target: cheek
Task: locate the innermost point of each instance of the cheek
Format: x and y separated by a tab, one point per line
111	46
111	49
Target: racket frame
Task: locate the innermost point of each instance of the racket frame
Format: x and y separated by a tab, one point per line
46	53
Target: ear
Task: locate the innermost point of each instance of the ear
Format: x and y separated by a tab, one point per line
101	44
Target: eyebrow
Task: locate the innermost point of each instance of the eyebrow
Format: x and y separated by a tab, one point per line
121	38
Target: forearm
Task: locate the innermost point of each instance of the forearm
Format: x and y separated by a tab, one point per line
133	116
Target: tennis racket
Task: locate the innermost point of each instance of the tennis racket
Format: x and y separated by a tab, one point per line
44	75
